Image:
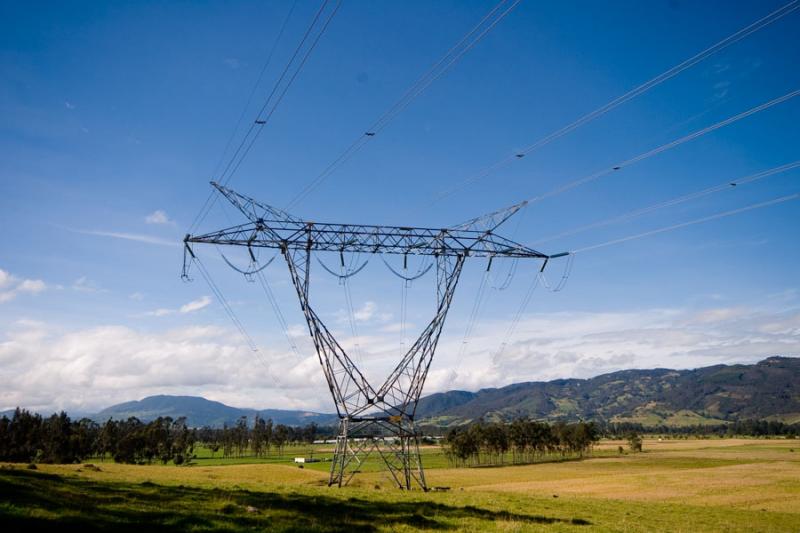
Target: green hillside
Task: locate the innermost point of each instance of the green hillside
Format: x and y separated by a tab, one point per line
717	394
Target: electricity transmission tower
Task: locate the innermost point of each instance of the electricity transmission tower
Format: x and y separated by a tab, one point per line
372	418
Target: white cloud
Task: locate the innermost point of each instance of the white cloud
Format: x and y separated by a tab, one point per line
31	285
366	312
191	307
719	314
83	284
5	278
45	367
158	217
160	312
11	286
195	305
232	63
575	344
397	327
136	296
69	105
138	237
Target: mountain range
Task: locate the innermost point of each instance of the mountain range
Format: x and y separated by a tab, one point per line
769	389
202	412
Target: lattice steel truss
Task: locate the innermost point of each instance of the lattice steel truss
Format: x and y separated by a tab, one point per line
372	420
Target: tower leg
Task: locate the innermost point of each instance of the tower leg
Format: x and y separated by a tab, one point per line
396	444
339	455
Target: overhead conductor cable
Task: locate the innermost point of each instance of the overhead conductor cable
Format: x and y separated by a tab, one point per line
469	40
625	217
633	93
269	106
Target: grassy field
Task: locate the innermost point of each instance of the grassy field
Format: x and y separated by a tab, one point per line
680	485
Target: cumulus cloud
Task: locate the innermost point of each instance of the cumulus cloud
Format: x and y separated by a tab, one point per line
45	367
12	286
575	344
41	365
157	217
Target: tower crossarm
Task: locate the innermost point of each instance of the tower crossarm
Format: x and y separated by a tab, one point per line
315	236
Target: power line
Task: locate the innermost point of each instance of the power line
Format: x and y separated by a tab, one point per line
637	91
473	317
726	186
469	40
208	204
564	275
278	313
512	328
263	119
348	298
255	86
664	147
724	214
269	106
256	126
234	319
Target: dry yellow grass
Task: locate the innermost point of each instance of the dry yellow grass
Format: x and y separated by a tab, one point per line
251	477
680	485
742	473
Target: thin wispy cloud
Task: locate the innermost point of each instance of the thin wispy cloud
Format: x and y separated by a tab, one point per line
136	237
83	284
160	312
191	307
195	305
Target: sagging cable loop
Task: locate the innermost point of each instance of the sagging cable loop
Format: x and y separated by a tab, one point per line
564	277
408	279
509	277
347	274
248	274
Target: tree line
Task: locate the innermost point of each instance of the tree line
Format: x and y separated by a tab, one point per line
29	437
258	440
749	428
526	440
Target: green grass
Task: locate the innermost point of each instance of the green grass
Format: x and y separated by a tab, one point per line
676	486
39	501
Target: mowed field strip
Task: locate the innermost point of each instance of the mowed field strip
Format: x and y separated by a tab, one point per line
676	485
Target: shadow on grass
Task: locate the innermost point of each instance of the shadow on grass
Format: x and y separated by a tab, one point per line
31	501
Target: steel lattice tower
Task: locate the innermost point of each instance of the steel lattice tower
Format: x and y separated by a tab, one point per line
372	419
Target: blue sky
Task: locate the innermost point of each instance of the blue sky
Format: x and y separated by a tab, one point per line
115	115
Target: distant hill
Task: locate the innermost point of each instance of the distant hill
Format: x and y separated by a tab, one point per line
716	394
201	412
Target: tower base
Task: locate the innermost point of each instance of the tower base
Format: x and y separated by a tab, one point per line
394	440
